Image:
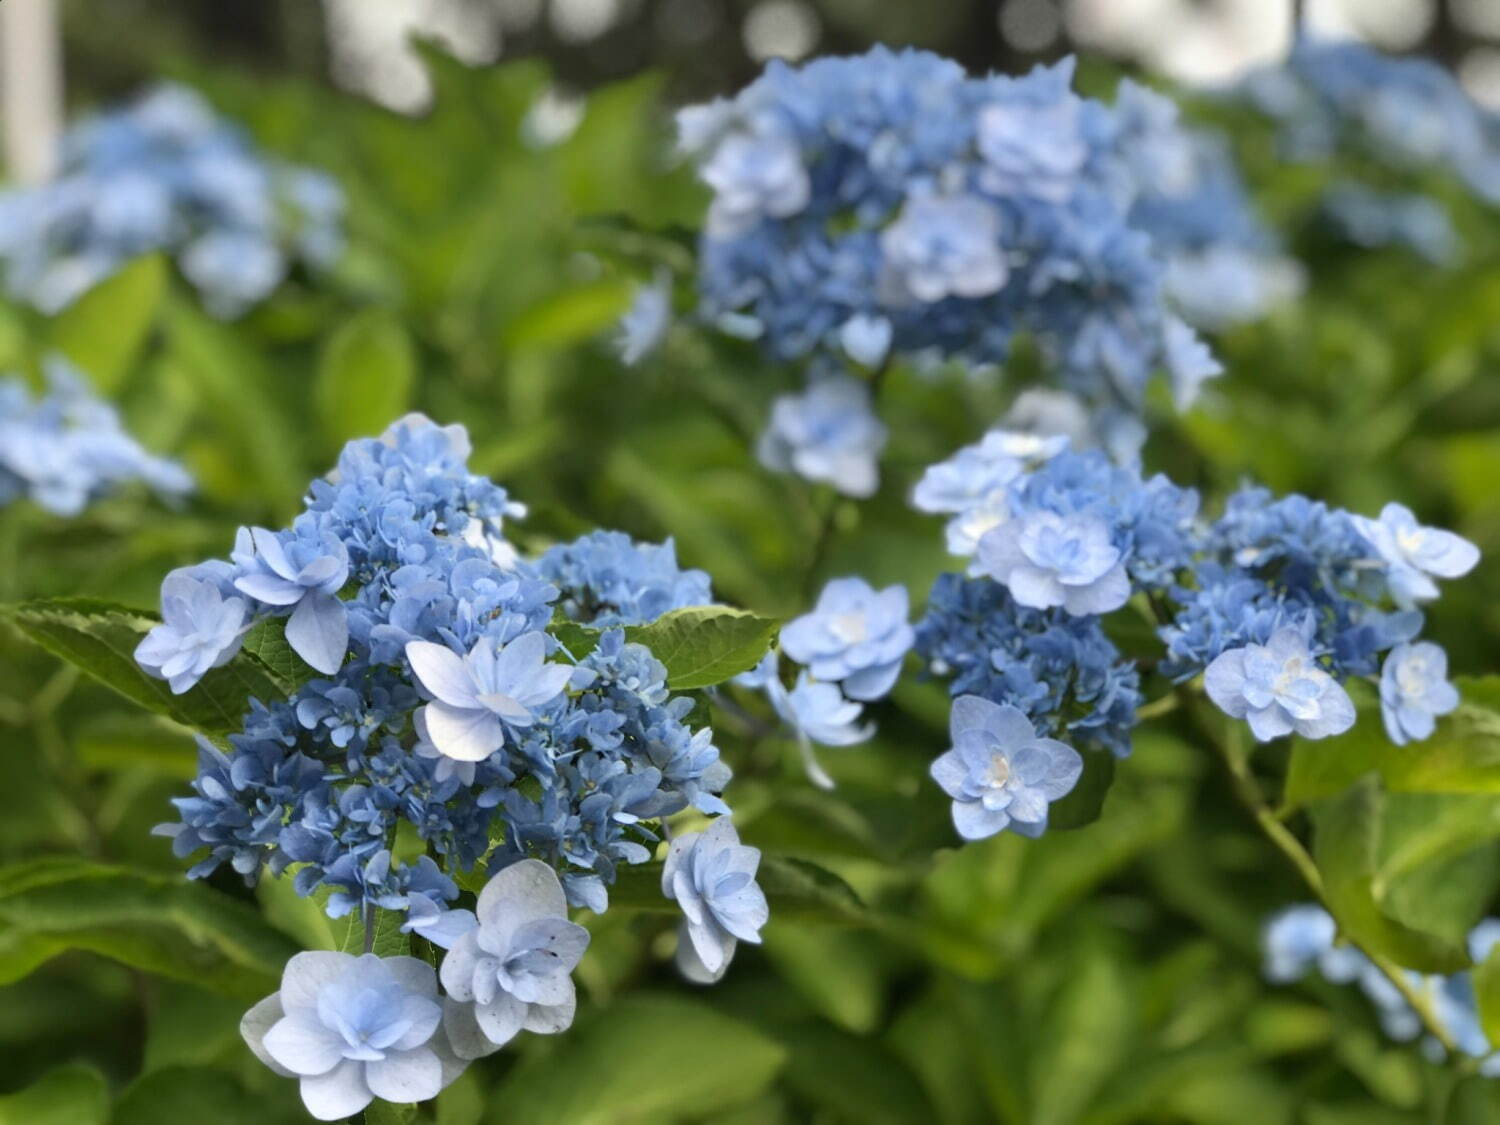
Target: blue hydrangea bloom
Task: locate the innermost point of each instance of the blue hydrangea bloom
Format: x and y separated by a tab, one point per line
999	773
1279	688
572	758
890	205
1405	116
942	246
854	637
1061	670
828	435
68	448
1414	691
475	697
165	174
1046	559
711	876
302	571
1414	554
201	629
607	578
1223	265
353	1029
513	971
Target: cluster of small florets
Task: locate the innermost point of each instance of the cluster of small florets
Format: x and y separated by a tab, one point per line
67	448
1303	938
1276	602
890	204
847	651
1289	598
442	700
166	174
1223	264
1402	115
609	579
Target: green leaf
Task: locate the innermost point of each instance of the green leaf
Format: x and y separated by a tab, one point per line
796	890
705	645
100	638
103	331
365	376
842	972
1346	846
1487	993
389	941
75	1094
387	1113
851	1078
158	923
567	318
193	1094
578	639
1462	756
651	1057
266	642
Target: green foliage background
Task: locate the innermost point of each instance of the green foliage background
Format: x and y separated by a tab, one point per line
1104	975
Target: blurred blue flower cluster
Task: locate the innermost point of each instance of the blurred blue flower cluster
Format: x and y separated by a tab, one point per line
1275	603
68	447
440	697
1224	265
1302	938
165	173
891	204
1403	116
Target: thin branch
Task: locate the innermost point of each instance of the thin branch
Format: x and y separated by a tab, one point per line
1248	790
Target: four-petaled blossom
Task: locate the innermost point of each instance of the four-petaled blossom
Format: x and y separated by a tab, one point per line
999	773
201	629
827	434
1414	554
1414	691
855	637
512	971
942	246
1279	688
754	177
1046	559
476	696
293	570
711	876
353	1029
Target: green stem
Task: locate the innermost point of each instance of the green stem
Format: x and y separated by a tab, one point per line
1248	790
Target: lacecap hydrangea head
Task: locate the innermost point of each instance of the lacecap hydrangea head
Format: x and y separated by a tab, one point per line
889	204
163	173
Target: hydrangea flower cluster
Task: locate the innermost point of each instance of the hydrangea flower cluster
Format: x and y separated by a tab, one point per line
164	173
1401	115
68	447
1276	603
851	647
1301	939
1224	265
890	204
438	698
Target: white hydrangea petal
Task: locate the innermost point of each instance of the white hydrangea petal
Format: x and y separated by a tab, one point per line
521	893
305	976
340	1093
466	1038
405	1076
442	672
254	1025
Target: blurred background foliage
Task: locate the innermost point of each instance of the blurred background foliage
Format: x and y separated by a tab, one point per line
1106	975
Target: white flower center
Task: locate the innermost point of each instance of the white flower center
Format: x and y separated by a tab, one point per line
998	771
850	627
